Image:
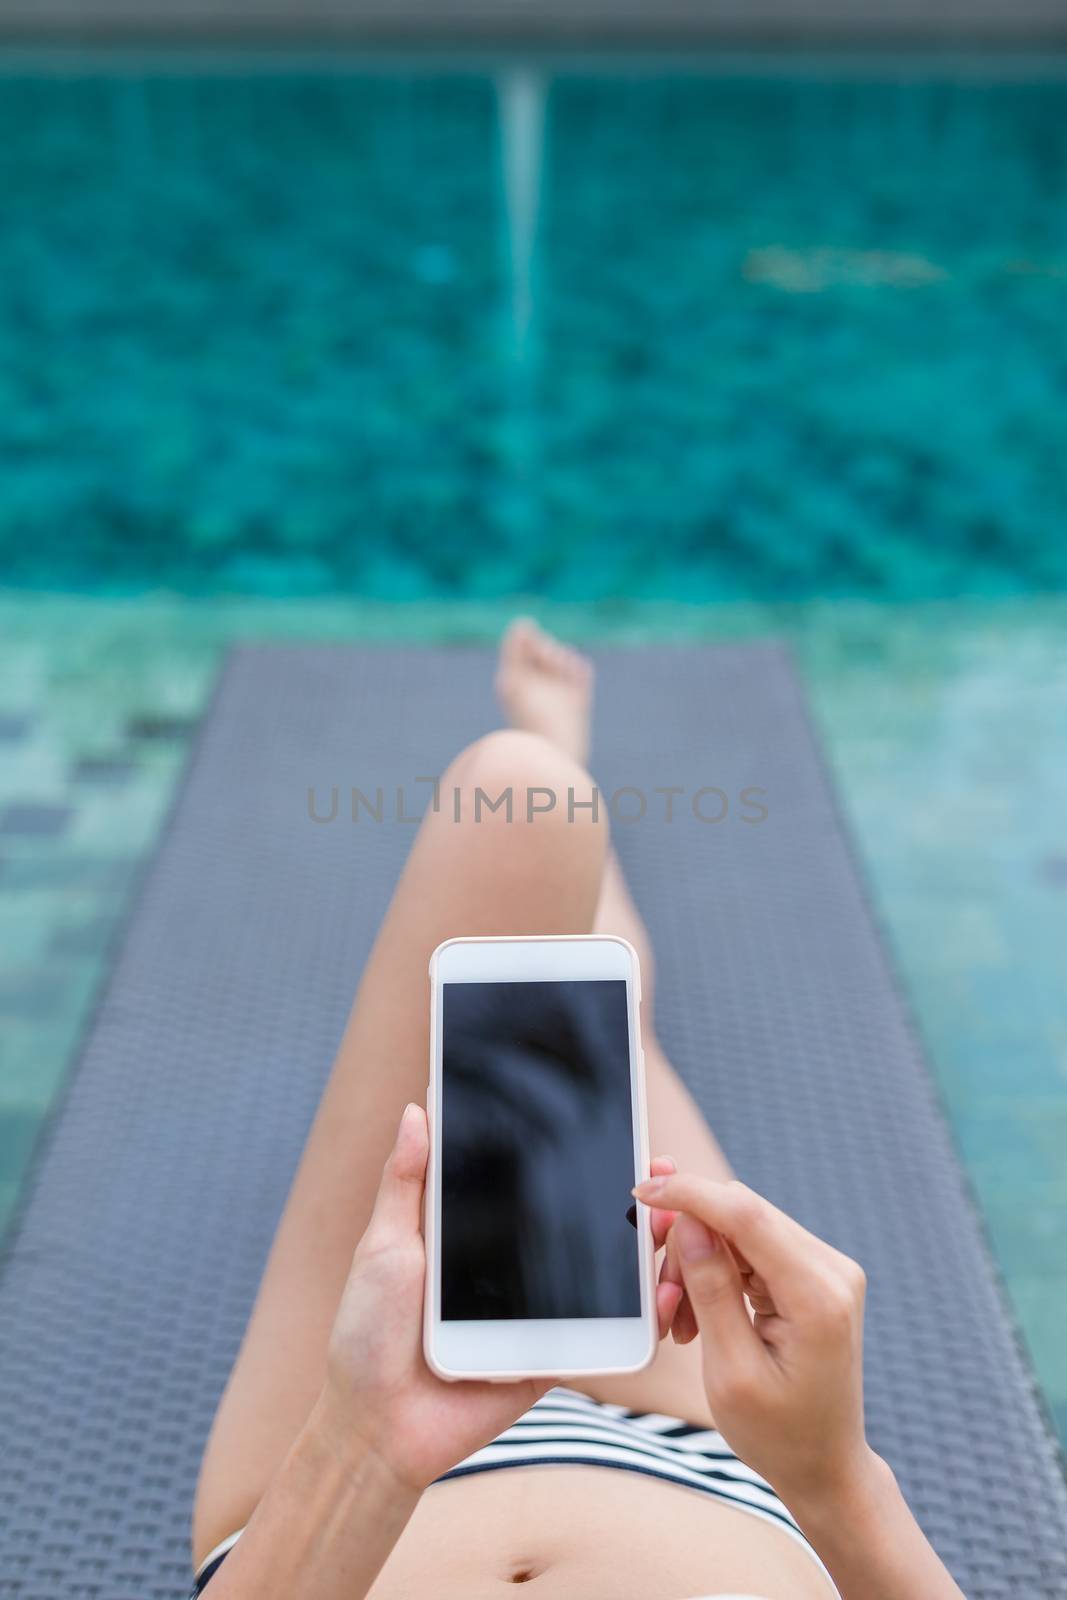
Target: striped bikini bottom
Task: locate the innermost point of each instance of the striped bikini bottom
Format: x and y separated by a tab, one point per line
565	1428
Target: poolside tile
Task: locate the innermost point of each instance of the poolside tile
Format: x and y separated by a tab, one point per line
89	938
66	872
157	726
35	1056
15	725
1052	871
1030	1234
35	818
35	992
1039	1301
1058	1413
106	770
19	1131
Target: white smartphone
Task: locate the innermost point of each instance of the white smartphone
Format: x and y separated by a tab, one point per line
538	1132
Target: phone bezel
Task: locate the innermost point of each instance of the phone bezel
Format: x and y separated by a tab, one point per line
529	1348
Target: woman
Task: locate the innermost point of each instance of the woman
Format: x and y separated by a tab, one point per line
736	1465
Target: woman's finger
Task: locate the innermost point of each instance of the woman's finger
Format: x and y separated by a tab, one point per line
670	1272
661	1227
769	1328
786	1257
661	1167
668	1298
683	1325
713	1287
759	1297
744	1266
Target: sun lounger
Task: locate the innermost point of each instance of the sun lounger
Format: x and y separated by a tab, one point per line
152	1203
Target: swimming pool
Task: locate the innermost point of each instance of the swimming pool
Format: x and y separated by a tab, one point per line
757	329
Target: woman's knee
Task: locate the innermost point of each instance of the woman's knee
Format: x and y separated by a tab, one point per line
523	778
518	804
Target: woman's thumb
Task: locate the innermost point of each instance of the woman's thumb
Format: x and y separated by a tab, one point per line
398	1207
713	1285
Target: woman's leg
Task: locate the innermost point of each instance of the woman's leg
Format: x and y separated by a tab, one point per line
474	877
489	877
547	687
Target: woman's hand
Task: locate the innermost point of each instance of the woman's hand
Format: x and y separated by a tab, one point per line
786	1386
379	1390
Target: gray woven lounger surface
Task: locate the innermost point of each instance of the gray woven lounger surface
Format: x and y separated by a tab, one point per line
152	1205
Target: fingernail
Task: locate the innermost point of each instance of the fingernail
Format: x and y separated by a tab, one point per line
407	1113
649	1189
694	1241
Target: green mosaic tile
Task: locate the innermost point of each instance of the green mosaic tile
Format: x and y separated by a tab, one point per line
19	1130
1029	1232
1039	1302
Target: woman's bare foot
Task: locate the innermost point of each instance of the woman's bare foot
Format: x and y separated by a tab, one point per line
545	687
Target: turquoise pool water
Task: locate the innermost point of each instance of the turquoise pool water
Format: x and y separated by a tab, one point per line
739	331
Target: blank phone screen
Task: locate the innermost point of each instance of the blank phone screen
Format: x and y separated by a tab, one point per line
537	1152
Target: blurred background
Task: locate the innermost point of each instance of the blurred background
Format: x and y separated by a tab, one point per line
350	321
